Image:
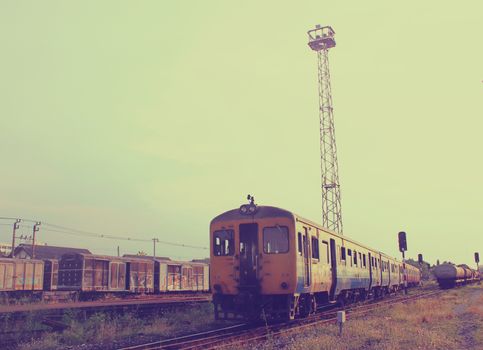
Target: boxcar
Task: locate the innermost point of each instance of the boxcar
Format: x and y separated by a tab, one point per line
140	272
21	275
181	276
92	273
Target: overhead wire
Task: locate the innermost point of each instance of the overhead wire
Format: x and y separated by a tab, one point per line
76	232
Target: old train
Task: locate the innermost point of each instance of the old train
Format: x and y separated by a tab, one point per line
89	276
450	275
270	261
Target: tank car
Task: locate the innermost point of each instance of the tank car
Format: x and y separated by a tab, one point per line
450	275
268	260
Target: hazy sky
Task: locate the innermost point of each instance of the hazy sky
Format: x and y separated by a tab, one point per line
148	118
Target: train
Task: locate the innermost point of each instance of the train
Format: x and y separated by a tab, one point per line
88	276
268	261
450	275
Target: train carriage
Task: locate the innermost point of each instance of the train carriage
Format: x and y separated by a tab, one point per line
20	275
267	258
92	273
181	276
140	272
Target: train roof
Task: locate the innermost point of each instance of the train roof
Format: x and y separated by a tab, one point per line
145	257
264	211
94	256
14	260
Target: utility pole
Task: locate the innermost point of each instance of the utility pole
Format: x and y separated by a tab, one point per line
35	229
154	247
321	39
16	225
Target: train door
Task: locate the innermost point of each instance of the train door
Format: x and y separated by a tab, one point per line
307	258
389	273
248	254
333	268
369	256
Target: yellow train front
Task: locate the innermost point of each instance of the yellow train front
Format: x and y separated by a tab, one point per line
269	262
252	255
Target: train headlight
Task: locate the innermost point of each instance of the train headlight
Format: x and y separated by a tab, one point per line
248	209
284	285
244	209
252	209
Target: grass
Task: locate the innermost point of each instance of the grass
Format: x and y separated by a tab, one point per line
106	331
433	323
453	320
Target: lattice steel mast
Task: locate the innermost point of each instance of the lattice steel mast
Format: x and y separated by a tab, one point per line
321	39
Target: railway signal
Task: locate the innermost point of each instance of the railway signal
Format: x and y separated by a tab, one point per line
403	246
402	242
420	259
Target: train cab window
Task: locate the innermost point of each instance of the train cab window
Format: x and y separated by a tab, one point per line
275	240
299	241
223	243
325	251
315	248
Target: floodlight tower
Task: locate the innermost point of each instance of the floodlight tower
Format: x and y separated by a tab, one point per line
321	39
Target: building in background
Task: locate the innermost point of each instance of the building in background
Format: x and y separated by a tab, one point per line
5	249
24	251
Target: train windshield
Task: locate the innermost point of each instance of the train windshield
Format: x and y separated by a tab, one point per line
223	243
275	240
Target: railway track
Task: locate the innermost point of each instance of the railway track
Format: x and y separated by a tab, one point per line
246	333
106	304
52	315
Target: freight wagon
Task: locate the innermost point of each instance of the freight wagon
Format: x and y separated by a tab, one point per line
19	277
89	273
175	276
450	275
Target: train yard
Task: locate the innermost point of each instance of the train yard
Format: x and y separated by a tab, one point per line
273	279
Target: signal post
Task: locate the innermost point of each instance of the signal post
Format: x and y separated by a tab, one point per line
477	261
402	248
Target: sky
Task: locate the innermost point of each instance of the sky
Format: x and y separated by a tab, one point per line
147	119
